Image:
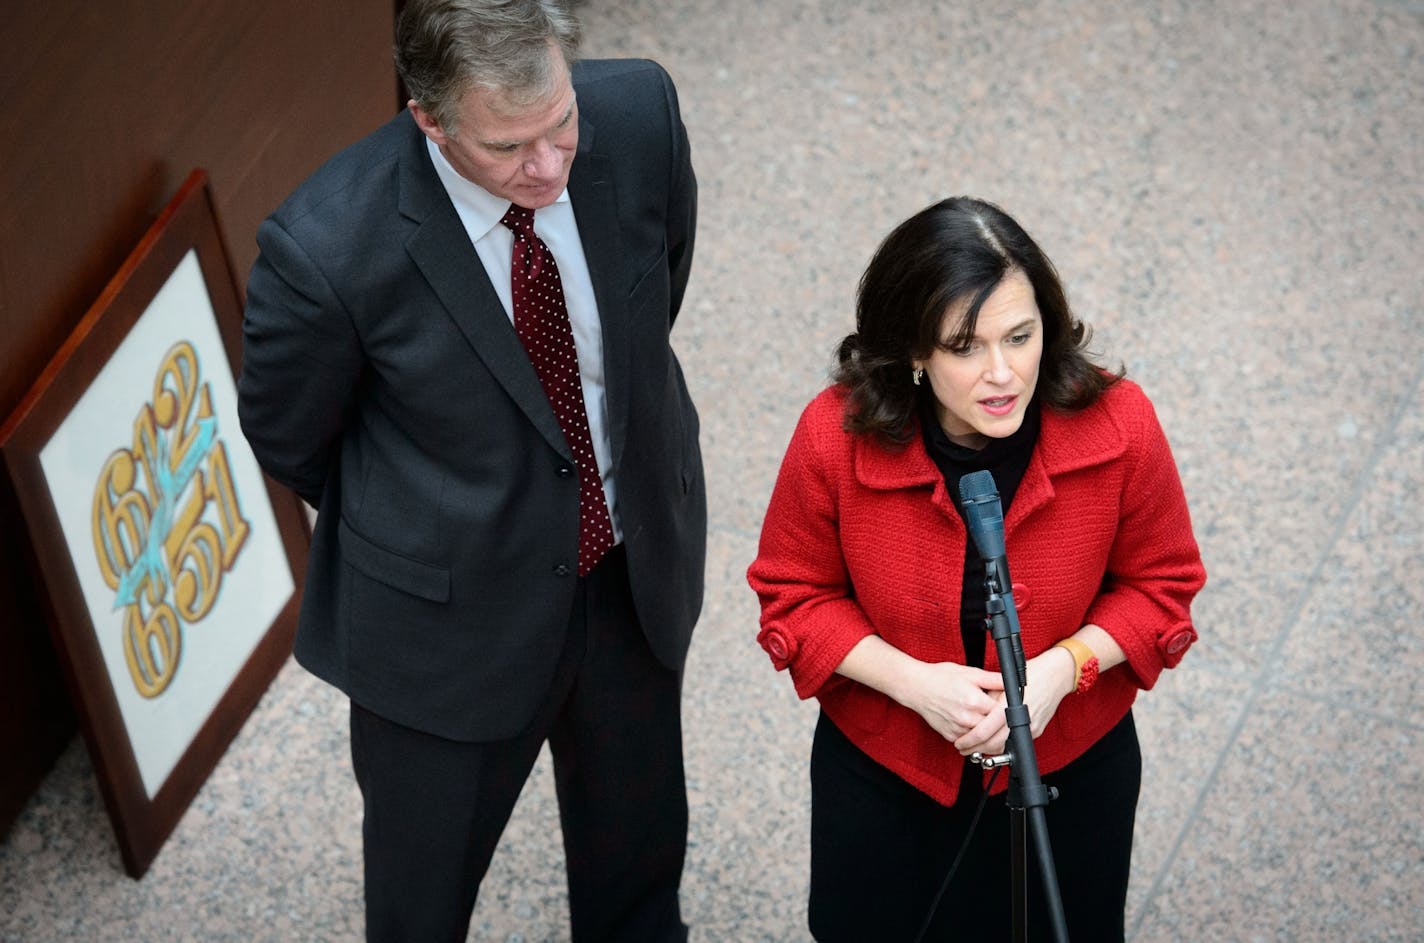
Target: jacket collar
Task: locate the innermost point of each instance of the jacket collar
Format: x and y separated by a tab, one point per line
1066	442
596	214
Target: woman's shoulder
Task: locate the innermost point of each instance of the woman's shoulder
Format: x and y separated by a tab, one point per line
1123	401
1112	424
827	408
1124	398
821	431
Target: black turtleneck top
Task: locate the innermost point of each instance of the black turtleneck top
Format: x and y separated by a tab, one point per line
1006	459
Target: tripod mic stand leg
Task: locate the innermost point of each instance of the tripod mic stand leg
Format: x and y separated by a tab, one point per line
1019	856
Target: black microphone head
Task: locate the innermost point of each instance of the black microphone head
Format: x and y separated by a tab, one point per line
983	513
977	486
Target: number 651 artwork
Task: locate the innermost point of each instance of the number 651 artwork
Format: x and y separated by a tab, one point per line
169	565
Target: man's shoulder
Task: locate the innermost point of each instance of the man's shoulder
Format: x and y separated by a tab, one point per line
597	71
612	88
361	165
629	113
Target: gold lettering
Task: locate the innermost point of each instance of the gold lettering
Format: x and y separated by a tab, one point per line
220	491
119	518
152	647
194	552
175	406
190	513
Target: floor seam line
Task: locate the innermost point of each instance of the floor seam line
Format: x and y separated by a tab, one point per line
1270	668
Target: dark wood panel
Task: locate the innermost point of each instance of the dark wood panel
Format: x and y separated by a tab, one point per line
104	110
30	690
122	105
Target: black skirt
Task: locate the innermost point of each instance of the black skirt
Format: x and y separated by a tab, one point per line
880	848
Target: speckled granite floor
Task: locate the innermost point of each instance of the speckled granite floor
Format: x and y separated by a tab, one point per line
1234	195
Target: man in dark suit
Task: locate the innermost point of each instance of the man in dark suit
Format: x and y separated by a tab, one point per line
461	589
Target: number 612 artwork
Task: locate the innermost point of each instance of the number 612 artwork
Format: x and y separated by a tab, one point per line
170	564
164	538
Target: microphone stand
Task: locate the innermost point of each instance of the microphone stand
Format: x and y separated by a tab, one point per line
1027	795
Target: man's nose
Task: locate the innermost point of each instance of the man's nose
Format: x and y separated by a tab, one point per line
545	162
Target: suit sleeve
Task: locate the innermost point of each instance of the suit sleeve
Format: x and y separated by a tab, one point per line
1154	567
682	204
301	362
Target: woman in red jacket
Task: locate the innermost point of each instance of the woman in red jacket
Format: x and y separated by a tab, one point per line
967	357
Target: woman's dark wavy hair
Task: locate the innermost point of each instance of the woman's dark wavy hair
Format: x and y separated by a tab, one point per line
958	249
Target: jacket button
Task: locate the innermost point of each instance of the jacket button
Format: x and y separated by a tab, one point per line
777	646
1023	596
1179	641
561	570
565	471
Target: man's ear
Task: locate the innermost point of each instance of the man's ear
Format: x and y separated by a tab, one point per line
426	122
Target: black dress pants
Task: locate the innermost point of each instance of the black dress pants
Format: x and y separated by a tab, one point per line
880	849
435	808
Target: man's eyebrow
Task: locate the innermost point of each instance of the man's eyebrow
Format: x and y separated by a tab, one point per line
495	145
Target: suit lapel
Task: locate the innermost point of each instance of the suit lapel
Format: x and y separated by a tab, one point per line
596	212
441	250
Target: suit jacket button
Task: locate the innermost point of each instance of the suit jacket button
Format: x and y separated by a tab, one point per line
565	471
561	570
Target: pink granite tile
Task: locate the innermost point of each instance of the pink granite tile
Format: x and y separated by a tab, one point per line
1311	833
1234	195
1185	725
1358	642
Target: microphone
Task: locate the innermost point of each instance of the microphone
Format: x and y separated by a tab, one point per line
985	517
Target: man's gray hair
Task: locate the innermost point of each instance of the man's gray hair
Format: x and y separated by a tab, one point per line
444	48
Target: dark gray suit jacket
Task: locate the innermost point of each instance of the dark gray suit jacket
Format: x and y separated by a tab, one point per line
383	382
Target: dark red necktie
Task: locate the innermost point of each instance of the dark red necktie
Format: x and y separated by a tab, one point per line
541	319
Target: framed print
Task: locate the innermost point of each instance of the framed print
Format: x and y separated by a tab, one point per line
169	564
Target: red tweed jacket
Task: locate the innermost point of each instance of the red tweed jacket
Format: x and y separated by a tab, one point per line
861	538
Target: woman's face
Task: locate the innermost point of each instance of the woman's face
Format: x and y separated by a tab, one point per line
982	390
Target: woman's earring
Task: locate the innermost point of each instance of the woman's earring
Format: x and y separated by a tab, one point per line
916	373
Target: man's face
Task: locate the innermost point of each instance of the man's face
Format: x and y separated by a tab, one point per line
521	154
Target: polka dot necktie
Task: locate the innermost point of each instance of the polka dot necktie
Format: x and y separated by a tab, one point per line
541	319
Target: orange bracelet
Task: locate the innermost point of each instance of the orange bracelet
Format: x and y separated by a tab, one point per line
1085	663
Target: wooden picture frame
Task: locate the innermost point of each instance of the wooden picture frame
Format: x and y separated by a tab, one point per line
170	567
